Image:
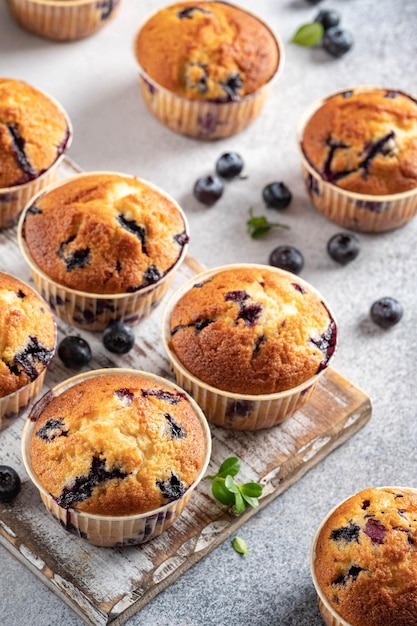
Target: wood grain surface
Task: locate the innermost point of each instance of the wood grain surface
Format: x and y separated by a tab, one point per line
107	586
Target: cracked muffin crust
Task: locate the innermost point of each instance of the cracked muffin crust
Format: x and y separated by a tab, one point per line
252	330
364	141
207	51
365	558
104	233
34	132
117	444
27	335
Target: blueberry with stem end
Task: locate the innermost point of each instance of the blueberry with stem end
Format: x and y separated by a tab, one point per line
287	258
208	189
74	352
229	165
118	337
337	41
386	312
328	18
9	483
343	247
276	195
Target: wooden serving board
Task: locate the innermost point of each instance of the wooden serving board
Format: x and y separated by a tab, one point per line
107	586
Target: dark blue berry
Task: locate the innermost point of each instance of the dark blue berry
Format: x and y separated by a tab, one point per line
343	247
328	18
232	86
313	1
337	41
118	337
276	195
346	533
229	165
74	352
172	488
386	312
208	189
9	483
287	258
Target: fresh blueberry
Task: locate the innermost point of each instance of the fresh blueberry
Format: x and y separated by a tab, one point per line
337	41
229	165
118	337
386	312
313	1
9	483
328	18
74	352
276	195
287	258
343	247
208	189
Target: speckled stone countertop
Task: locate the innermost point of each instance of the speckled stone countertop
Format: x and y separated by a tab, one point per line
96	81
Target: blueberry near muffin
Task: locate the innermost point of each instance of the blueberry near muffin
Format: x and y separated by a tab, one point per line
365	558
252	330
364	141
116	444
27	335
104	233
34	132
207	51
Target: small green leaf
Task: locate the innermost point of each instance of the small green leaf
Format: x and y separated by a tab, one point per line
257	226
239	545
240	505
230	466
221	493
308	35
253	502
231	485
253	490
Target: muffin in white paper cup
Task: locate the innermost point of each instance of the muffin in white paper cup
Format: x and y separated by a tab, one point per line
103	247
363	559
36	132
358	150
116	454
63	20
206	68
28	339
249	342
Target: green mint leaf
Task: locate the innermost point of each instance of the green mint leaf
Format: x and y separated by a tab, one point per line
221	493
240	505
253	490
308	35
231	466
253	502
257	226
239	545
231	485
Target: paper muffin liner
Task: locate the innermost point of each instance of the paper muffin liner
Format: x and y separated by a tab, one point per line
205	119
235	411
16	403
13	199
63	20
92	311
329	615
354	211
113	531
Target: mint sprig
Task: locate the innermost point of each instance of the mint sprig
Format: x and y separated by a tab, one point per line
230	493
258	226
309	34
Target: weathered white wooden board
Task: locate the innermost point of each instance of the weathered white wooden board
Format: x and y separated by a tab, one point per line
107	586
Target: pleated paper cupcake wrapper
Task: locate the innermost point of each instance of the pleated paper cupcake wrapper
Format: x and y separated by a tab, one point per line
14	199
197	118
358	212
15	404
103	530
63	20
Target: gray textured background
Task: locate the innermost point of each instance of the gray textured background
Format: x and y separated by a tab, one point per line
95	80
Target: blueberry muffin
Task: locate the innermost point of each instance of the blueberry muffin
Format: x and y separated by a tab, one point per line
252	330
104	233
358	153
207	50
117	444
34	132
27	335
364	559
